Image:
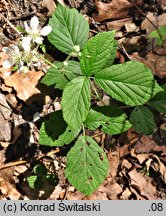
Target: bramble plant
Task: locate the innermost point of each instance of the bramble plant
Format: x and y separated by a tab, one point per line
88	67
131	83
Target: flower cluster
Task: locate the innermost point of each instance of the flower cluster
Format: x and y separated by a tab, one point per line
25	54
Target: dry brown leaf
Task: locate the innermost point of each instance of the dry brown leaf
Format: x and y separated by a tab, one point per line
126	164
11	99
131	27
142	157
113	158
143	184
56	193
159	167
132	136
151	22
162	3
116	9
158	64
118	24
2	156
76	195
5	125
24	84
20	169
126	194
98	195
6	88
146	144
115	190
138	196
7	184
50	5
148	163
153	61
123	151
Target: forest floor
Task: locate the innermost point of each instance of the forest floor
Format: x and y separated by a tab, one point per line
136	162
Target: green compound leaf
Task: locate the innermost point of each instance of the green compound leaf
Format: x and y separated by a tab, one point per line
69	28
142	120
98	52
110	125
76	101
87	165
158	102
131	83
60	76
55	131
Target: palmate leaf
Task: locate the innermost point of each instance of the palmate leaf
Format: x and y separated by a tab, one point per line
158	102
55	131
131	83
60	76
142	120
76	101
87	165
69	28
98	52
110	125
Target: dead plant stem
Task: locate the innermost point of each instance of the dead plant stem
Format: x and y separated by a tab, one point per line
21	162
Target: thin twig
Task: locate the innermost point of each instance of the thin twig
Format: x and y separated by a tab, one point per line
16	163
146	16
98	134
124	50
11	25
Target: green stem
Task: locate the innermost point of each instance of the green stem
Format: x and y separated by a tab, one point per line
124	107
68	57
83	128
96	93
48	62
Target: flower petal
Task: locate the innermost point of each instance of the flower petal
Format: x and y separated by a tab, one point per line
27	29
26	42
34	23
38	40
6	64
46	30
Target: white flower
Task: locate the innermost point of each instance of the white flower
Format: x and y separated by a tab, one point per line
35	32
14	56
46	30
26	43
